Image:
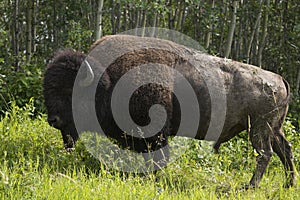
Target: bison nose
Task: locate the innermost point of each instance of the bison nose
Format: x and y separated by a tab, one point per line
54	121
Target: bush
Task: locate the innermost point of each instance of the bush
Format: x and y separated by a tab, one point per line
21	86
294	112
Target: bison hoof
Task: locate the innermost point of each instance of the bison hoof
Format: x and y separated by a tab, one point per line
70	149
248	187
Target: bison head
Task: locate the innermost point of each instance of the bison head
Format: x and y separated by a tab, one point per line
58	86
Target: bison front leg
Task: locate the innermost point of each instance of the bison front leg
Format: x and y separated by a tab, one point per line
157	154
261	141
156	160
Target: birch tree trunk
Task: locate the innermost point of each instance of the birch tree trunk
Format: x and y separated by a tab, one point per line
231	30
99	20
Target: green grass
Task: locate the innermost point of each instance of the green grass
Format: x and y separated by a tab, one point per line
33	165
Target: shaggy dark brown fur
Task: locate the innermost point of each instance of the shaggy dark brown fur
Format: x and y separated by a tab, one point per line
254	97
58	84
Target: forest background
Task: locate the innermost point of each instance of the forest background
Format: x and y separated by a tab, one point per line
33	164
265	33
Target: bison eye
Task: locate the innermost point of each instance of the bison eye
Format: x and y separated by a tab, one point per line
55	121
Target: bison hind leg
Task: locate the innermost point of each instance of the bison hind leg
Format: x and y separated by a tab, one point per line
284	151
261	141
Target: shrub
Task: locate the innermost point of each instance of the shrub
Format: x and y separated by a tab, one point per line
20	86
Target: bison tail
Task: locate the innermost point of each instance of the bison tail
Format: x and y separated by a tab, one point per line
287	86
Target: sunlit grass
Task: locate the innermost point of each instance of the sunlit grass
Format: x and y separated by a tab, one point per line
33	165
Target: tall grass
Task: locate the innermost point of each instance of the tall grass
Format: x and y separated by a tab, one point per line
33	165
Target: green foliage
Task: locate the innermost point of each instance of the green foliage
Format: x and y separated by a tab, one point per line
25	139
294	112
293	133
78	38
20	86
33	165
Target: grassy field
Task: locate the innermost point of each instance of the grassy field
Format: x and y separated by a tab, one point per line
33	165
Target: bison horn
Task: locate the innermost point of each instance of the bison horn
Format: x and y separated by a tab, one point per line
89	76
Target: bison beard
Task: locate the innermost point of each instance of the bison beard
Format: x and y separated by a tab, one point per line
252	93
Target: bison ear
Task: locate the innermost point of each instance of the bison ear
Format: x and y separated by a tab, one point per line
90	76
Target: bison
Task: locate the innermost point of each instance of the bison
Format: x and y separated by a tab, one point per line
254	99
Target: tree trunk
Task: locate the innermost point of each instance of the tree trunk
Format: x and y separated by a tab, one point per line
118	16
137	21
180	16
29	12
55	28
171	18
184	13
34	21
125	11
231	29
99	20
16	35
209	32
112	18
131	16
195	21
298	83
264	34
255	46
153	29
222	25
144	23
256	26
